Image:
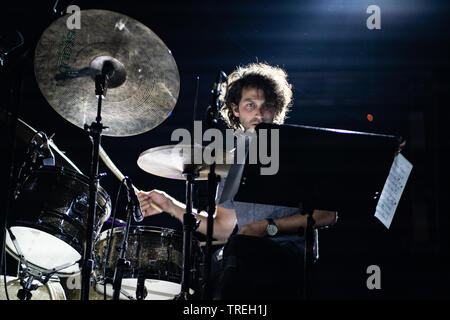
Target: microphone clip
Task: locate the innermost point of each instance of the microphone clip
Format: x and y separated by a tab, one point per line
133	200
213	110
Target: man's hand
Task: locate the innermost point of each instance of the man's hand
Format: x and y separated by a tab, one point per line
160	198
256	228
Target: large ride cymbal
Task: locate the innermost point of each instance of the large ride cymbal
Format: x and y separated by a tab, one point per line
143	89
172	161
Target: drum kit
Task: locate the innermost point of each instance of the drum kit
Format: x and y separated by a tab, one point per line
113	77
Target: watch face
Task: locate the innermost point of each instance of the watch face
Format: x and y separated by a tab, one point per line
272	230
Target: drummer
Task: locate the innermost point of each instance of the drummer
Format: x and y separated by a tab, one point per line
264	259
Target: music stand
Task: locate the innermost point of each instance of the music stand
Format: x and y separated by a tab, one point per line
328	167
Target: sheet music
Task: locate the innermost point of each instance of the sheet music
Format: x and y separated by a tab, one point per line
393	189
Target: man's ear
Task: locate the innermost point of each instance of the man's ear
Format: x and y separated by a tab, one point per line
235	109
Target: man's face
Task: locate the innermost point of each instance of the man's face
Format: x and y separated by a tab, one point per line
252	108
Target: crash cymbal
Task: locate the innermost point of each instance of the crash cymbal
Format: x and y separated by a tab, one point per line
172	160
143	89
25	133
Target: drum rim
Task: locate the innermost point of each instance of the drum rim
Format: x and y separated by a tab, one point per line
151	229
170	276
39	268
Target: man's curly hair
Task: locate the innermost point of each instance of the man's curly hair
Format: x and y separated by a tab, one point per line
272	80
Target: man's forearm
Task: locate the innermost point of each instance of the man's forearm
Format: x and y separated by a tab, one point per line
292	223
179	210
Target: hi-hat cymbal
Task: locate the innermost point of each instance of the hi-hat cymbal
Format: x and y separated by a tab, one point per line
143	89
25	133
172	161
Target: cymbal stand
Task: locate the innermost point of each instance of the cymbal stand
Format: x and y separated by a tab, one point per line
213	179
122	263
189	226
311	253
95	131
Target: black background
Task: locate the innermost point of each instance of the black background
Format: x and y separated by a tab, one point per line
340	71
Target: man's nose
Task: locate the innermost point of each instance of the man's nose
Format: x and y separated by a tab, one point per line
259	113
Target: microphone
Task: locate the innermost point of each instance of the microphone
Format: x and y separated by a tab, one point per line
137	212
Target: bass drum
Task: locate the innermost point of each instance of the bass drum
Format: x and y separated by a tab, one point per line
52	290
49	219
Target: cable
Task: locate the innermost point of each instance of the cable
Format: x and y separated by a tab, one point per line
108	245
4	264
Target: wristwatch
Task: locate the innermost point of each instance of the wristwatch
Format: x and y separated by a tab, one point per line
272	228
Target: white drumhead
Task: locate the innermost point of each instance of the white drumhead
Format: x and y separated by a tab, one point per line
43	250
156	289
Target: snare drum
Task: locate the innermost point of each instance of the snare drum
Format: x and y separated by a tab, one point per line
50	216
155	254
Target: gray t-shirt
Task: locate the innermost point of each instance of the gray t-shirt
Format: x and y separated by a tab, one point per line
249	212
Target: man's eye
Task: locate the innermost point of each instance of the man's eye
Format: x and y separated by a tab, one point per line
250	104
